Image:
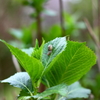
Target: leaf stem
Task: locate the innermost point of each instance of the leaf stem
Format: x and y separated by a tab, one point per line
35	89
39	27
56	98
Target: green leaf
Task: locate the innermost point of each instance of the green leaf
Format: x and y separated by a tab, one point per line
69	92
21	80
59	89
77	91
68	67
23	93
36	44
33	66
58	45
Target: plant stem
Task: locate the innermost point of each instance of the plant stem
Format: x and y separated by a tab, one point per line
39	27
62	17
94	13
99	20
39	37
56	98
16	64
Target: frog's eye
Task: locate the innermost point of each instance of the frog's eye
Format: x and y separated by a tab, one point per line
50	47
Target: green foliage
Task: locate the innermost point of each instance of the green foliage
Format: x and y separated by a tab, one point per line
72	91
36	4
24	36
72	26
21	80
59	89
71	64
54	31
75	90
58	45
37	53
29	63
67	62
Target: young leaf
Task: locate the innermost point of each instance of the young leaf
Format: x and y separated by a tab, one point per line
21	80
33	66
37	53
68	67
58	45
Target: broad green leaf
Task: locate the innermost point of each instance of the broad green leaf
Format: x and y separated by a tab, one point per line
68	67
21	80
59	89
58	45
33	66
75	90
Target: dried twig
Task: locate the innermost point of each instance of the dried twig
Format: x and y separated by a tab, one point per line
16	64
95	39
92	34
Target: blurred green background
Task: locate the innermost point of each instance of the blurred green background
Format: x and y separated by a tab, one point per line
18	27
